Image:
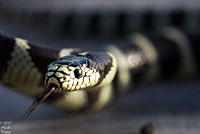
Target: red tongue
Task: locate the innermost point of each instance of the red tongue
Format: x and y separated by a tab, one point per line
41	98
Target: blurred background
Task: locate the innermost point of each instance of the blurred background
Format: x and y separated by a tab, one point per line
171	106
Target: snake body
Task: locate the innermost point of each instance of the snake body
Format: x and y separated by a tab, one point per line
25	73
90	80
107	22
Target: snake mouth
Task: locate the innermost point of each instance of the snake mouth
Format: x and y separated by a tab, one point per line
71	77
52	85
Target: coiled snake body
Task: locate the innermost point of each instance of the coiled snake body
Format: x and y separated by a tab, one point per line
92	79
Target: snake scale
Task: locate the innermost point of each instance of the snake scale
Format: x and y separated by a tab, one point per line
90	80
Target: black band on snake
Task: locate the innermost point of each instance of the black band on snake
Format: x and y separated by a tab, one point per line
82	80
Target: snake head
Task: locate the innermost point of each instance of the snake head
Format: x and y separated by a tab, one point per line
71	73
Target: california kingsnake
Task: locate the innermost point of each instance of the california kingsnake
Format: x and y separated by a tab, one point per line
147	57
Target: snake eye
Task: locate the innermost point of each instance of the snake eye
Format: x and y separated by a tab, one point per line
78	72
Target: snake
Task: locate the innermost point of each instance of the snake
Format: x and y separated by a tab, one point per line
78	80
